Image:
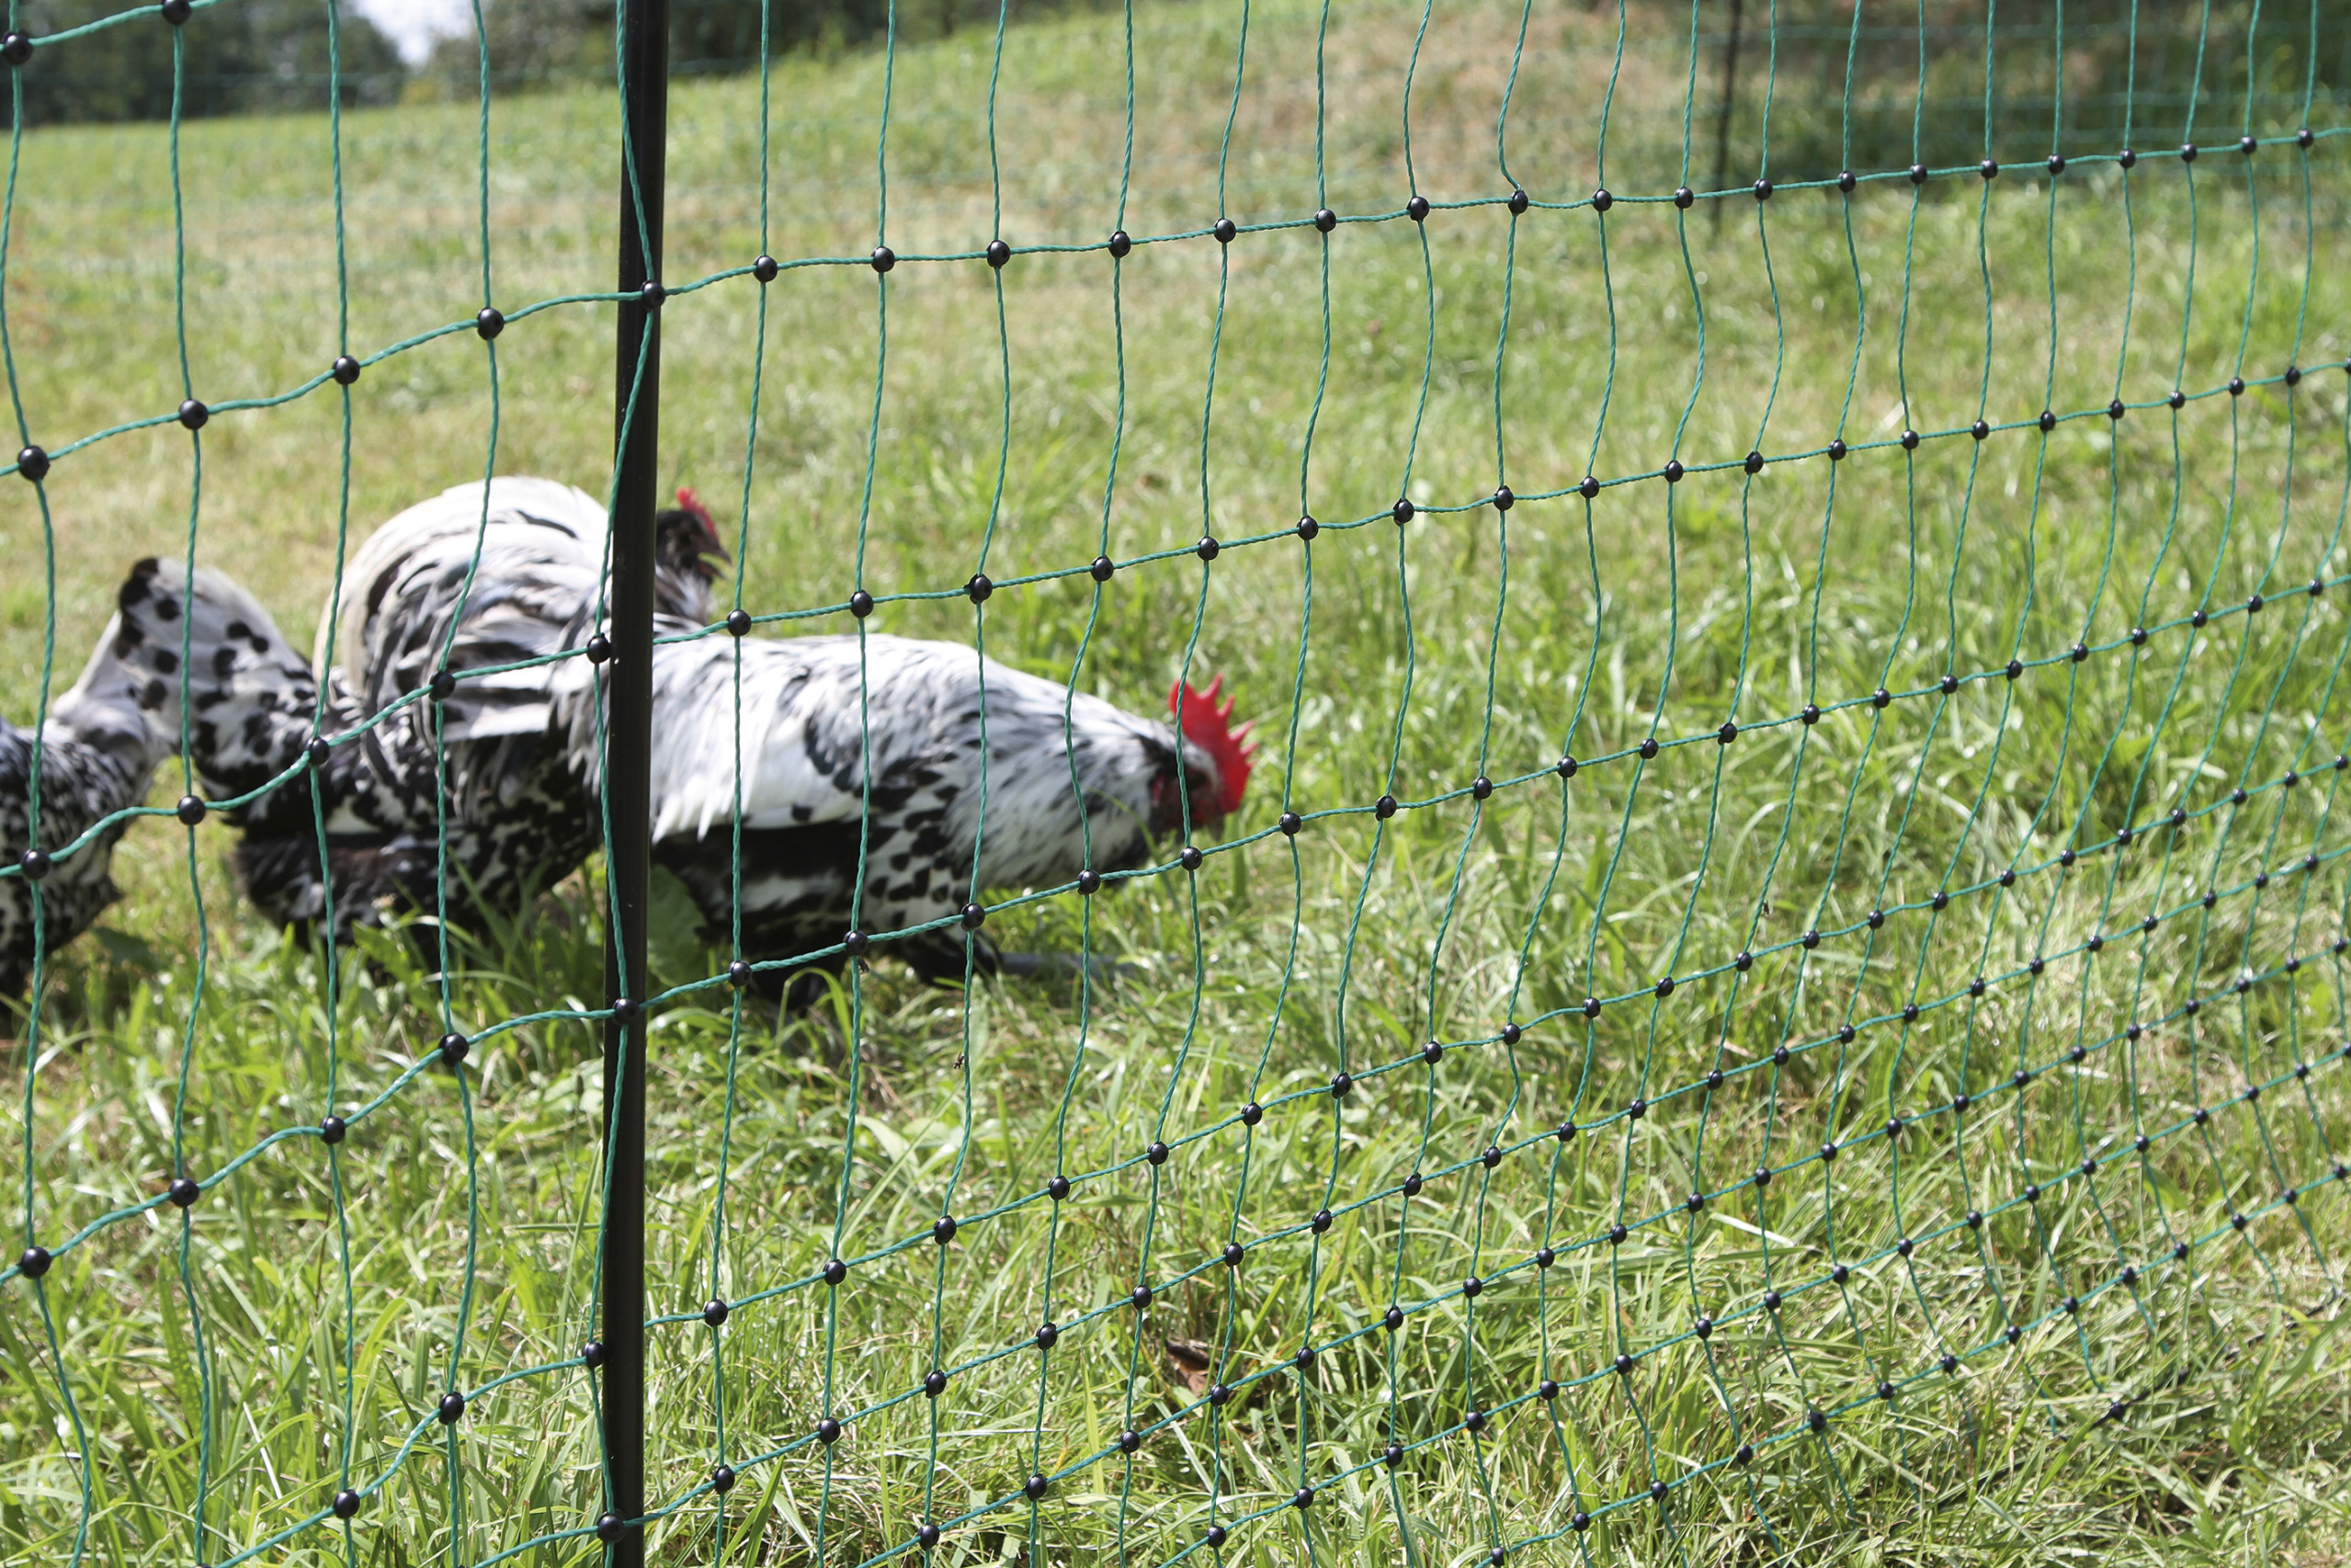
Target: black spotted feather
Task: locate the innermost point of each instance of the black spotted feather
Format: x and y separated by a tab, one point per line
488	583
105	737
1071	781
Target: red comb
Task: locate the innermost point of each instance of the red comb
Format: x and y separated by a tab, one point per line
692	503
1207	724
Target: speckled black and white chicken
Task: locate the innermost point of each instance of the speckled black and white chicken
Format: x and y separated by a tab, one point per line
1072	783
104	739
476	777
1072	780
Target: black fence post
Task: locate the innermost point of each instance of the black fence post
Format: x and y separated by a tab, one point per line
644	108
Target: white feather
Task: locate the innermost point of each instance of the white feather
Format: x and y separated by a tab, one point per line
447	527
1051	782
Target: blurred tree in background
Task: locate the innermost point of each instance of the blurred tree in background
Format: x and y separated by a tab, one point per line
252	57
532	39
566	37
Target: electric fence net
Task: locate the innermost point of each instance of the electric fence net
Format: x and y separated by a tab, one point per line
1780	967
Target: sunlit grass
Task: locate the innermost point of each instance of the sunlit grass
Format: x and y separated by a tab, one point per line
331	1290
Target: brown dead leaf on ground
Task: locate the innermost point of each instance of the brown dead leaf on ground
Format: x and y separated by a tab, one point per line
1188	1363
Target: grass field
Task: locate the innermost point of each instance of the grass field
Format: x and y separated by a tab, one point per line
228	1372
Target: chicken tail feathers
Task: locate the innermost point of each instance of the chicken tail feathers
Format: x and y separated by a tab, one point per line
251	697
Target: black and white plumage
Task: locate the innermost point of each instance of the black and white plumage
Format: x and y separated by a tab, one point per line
482	765
518	764
521	747
804	761
105	737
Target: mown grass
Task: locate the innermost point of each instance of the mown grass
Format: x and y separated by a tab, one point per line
229	1373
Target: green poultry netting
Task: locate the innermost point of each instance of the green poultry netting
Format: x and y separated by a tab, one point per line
1783	965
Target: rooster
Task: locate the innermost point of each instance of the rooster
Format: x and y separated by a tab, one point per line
104	738
477	760
1072	784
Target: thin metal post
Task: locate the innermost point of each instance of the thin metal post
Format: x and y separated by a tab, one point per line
645	106
1723	117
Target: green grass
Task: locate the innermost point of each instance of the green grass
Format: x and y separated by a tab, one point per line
451	1239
